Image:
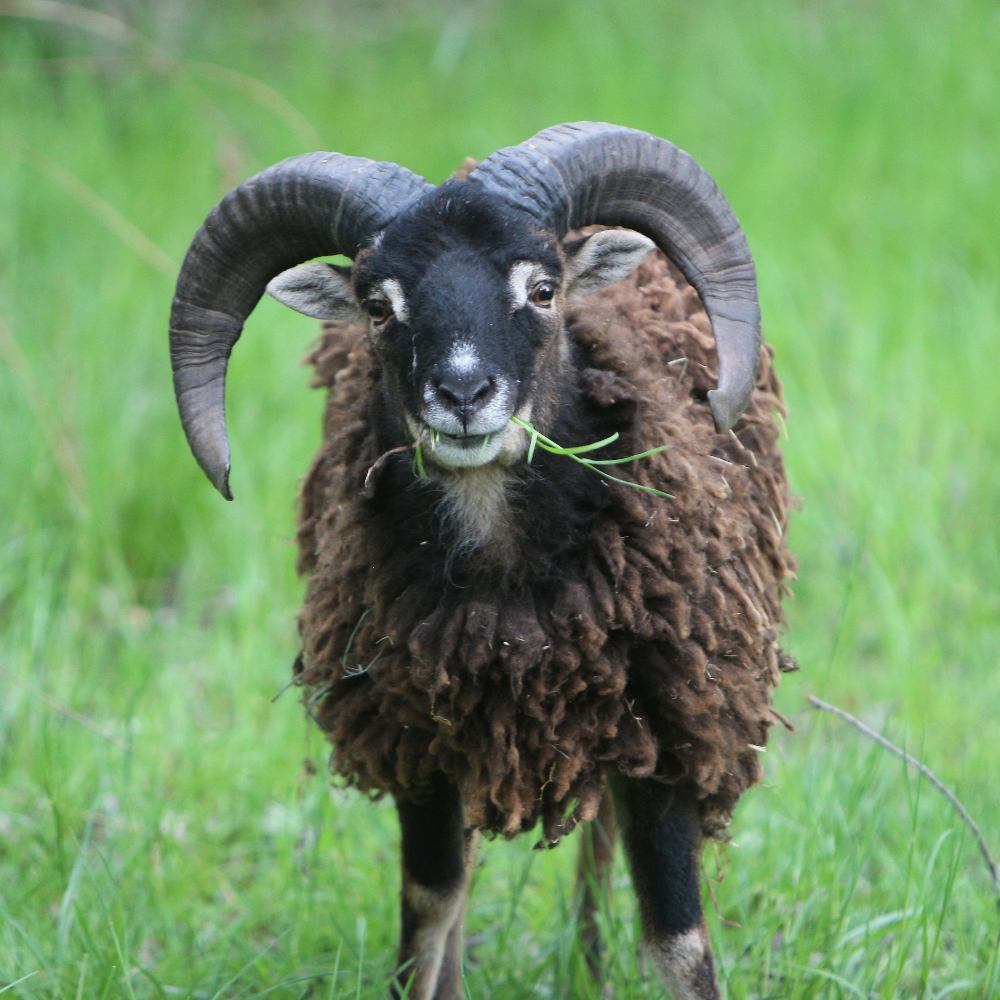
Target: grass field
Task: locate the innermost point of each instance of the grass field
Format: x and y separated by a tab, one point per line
165	828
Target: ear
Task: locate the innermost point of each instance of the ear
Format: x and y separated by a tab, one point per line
323	291
596	261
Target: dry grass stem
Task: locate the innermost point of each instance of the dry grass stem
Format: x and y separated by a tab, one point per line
924	770
116	30
74	16
258	91
130	234
63	709
55	436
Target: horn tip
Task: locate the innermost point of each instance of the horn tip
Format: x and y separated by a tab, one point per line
726	410
218	476
222	484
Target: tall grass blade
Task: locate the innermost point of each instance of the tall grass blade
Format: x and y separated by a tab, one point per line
50	425
17	982
246	968
66	905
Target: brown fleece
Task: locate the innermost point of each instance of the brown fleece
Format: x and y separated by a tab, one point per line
655	653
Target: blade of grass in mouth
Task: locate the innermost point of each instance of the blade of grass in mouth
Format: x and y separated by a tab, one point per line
547	444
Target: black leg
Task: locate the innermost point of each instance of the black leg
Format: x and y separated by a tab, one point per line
662	838
593	880
437	855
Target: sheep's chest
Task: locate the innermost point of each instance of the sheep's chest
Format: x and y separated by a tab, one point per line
652	650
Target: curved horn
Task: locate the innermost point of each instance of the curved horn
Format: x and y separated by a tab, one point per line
306	206
577	175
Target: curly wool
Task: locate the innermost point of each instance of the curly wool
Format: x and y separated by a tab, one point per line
642	637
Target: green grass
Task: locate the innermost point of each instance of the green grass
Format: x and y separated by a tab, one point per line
858	144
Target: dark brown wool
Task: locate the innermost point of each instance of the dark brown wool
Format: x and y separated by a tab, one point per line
654	650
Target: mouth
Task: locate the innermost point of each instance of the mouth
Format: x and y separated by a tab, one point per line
466	451
467	442
460	451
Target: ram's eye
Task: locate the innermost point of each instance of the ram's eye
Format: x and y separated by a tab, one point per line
378	309
543	294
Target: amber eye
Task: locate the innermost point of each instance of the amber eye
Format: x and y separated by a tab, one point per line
543	294
378	309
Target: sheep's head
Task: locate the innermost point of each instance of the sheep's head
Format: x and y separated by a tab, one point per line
463	299
462	286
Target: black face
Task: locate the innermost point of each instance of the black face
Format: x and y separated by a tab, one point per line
464	300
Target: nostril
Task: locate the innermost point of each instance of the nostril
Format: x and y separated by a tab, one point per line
450	394
465	393
481	390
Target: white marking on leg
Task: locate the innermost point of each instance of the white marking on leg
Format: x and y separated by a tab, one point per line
437	912
683	963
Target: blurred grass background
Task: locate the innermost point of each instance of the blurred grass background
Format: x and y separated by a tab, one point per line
165	830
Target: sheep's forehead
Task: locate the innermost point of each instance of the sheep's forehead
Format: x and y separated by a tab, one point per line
521	277
458	217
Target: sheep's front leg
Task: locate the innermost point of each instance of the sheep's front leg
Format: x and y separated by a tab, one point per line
437	855
662	837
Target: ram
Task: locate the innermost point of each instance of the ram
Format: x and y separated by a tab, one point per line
502	629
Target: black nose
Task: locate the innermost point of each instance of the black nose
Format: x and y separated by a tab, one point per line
465	394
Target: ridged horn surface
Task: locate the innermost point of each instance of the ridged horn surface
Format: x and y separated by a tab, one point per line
586	173
304	207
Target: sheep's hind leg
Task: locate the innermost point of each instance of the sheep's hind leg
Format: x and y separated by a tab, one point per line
593	880
449	983
437	856
662	837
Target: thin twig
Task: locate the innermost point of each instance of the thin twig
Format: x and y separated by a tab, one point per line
753	457
291	683
257	91
63	709
924	770
115	30
350	641
369	488
267	97
129	233
712	883
75	16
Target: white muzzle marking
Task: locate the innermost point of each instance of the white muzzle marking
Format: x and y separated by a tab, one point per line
490	434
463	358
